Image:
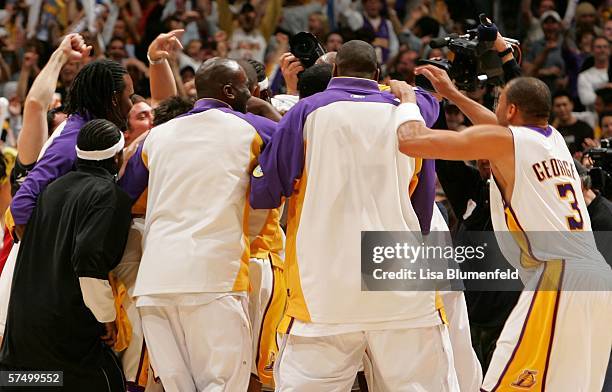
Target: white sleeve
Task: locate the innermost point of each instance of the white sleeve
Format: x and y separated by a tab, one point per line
98	297
586	93
393	41
353	17
570	12
109	26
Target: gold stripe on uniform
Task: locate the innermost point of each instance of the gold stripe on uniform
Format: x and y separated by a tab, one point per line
296	302
242	278
528	364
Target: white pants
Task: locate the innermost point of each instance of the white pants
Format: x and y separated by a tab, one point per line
417	359
6	281
556	340
467	366
200	347
261	278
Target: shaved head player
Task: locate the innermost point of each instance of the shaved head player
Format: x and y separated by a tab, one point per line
193	275
334	153
554	340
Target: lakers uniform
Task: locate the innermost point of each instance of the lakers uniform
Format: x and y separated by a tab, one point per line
335	153
558	336
193	277
268	292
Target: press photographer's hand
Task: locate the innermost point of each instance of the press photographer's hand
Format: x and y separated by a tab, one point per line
439	79
291	67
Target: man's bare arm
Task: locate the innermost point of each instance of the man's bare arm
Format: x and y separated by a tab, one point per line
34	131
416	140
476	142
161	77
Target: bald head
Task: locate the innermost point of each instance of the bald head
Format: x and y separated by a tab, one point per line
225	80
214	73
358	59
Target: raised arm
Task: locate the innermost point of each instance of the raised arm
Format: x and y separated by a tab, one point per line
161	77
415	139
477	113
34	132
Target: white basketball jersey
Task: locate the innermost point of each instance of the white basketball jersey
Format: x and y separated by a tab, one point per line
547	214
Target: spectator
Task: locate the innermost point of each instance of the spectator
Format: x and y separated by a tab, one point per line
246	42
586	20
116	50
191	56
574	131
66	77
140	119
608	30
544	59
317	25
605	122
596	76
374	21
401	67
333	41
534	30
296	14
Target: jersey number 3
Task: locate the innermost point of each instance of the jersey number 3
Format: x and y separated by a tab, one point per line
574	223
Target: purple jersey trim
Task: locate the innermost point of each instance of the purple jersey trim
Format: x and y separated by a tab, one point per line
59	158
542	131
282	160
136	176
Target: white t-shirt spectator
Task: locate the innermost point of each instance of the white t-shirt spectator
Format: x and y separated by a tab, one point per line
247	45
589	81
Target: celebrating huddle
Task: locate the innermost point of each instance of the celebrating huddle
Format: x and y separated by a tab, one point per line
207	292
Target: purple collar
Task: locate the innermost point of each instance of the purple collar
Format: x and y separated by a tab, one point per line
204	104
543	131
209	103
349	83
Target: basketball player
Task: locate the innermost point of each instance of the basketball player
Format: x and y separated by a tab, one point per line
62	310
101	89
334	154
554	340
193	276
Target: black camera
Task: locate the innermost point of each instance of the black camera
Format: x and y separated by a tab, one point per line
306	47
472	60
601	179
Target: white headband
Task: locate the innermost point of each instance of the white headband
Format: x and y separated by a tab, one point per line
101	154
264	84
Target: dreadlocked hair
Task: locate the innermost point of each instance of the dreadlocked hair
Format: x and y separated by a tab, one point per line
98	135
94	88
259	68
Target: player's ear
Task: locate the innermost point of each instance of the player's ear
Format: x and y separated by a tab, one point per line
228	91
377	74
511	112
334	71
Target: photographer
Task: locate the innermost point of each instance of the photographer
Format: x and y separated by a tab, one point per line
600	211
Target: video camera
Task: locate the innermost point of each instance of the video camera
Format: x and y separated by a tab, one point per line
601	179
472	60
